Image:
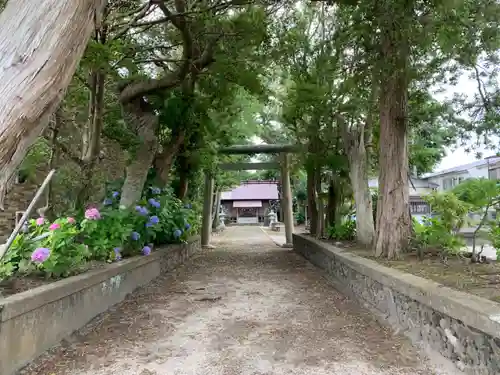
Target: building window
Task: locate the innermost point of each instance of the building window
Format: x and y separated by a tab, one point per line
419	208
451	182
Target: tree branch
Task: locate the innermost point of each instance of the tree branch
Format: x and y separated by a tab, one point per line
142	13
75	159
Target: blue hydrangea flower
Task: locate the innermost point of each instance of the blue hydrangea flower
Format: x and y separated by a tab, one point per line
187	226
154	203
135	236
141	210
115	194
146	250
108	202
177	233
117	250
153	220
155	190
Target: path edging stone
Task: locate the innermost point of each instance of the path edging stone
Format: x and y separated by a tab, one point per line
36	320
461	327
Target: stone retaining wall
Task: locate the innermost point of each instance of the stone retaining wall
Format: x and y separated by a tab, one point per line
462	327
33	321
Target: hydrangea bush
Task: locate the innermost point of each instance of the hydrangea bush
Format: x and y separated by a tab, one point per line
104	232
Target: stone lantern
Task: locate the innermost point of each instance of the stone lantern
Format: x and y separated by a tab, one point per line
271	217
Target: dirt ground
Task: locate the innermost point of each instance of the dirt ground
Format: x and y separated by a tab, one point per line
482	279
246	308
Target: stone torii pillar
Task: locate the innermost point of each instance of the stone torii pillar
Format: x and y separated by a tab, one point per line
287	203
206	226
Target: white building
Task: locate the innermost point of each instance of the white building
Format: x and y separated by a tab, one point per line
449	178
446	180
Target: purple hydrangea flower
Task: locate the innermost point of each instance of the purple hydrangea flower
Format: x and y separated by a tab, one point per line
141	210
187	226
40	255
108	202
118	255
92	214
115	194
154	220
154	203
146	250
135	236
177	233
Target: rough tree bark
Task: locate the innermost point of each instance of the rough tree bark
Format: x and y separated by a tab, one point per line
184	174
140	114
41	43
164	160
334	201
393	217
320	229
91	138
354	143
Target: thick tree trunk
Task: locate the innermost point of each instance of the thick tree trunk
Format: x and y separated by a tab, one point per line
393	218
183	186
164	161
184	174
41	42
146	123
354	143
333	203
320	229
358	173
311	199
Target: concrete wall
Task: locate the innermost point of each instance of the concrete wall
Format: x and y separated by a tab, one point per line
463	328
33	321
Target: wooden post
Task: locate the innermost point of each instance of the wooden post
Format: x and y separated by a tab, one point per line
287	200
206	227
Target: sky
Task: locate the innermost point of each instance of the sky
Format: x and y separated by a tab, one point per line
457	156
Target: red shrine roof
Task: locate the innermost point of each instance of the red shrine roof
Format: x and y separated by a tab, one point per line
252	190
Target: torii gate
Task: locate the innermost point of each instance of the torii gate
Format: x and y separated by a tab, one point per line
283	165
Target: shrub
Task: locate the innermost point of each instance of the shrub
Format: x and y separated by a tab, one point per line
434	234
343	232
107	233
299	216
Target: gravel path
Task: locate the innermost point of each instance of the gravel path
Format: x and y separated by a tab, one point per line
246	308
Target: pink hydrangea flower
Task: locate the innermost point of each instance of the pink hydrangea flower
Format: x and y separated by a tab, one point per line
71	220
40	255
40	221
92	214
54	226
